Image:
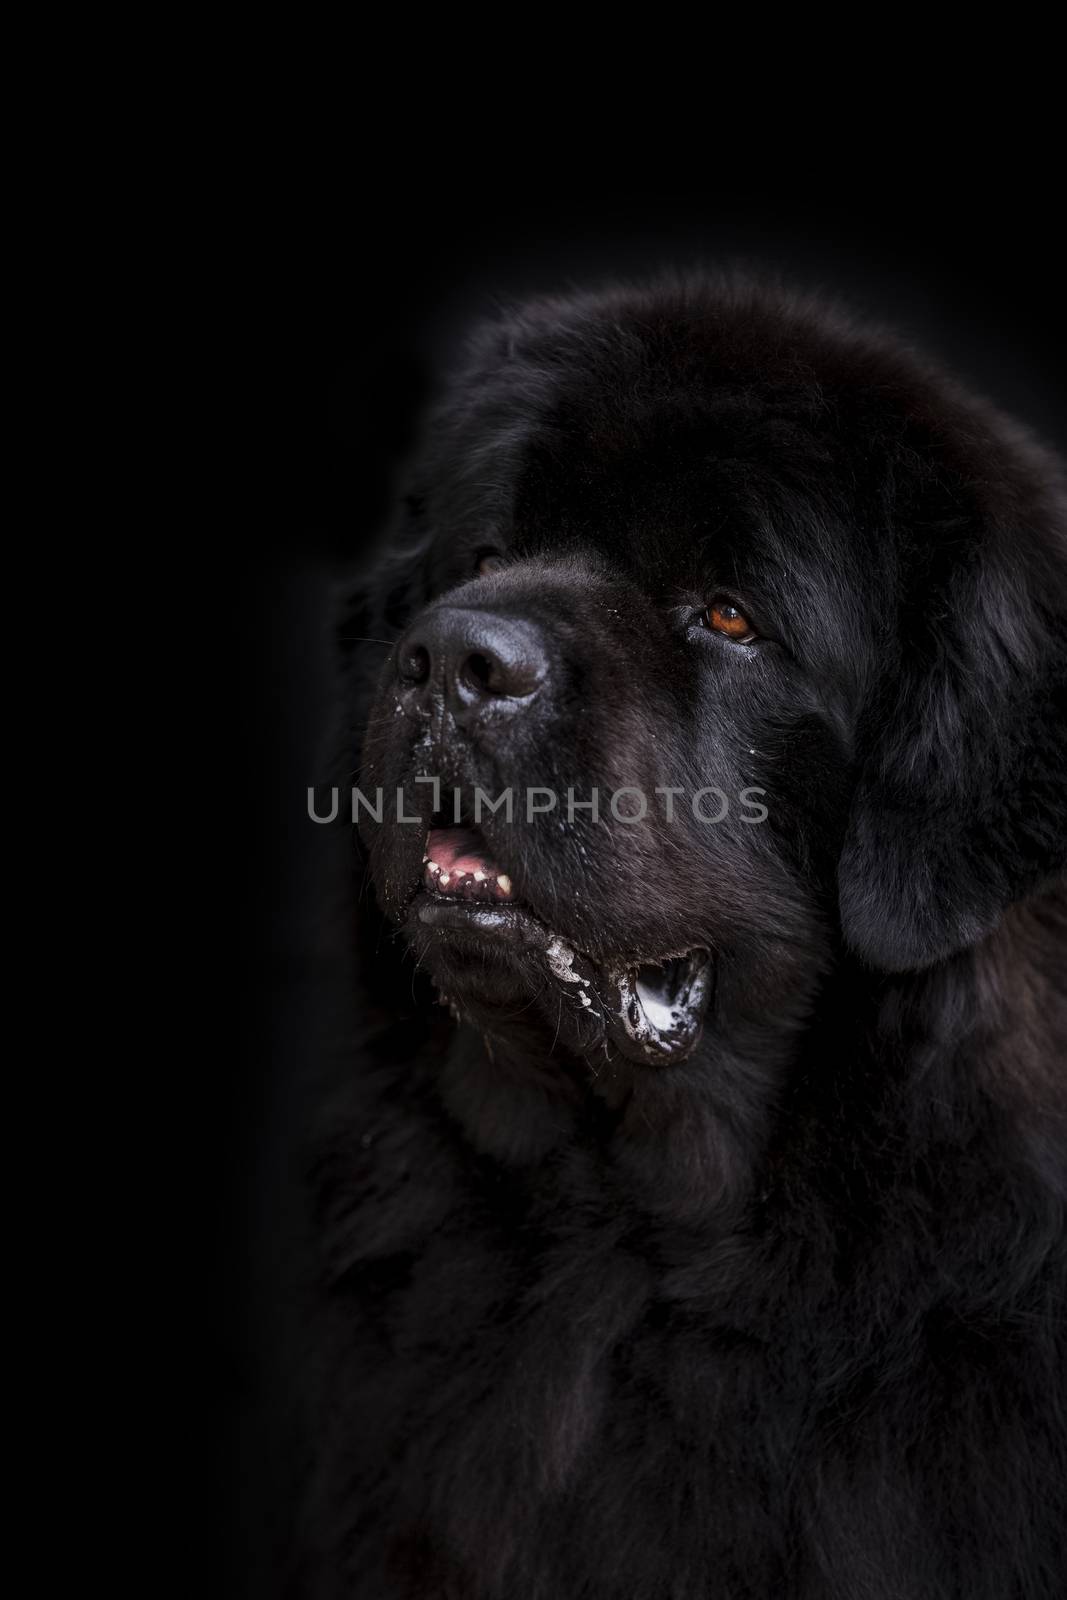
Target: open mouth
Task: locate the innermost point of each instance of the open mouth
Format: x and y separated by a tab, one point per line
651	1010
457	866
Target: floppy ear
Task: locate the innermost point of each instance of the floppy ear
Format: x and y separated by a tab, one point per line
961	808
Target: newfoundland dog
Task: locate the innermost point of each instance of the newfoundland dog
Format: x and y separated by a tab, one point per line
691	1216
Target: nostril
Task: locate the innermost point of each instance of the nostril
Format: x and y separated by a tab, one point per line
413	664
478	670
507	673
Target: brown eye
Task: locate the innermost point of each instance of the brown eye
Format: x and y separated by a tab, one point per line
722	616
488	561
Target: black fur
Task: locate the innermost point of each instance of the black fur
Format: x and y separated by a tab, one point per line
786	1318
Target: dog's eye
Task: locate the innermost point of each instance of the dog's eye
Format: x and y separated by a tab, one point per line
722	616
487	561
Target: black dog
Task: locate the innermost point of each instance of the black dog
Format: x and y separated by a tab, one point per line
713	1247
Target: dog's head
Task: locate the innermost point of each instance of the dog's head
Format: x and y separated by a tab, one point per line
729	644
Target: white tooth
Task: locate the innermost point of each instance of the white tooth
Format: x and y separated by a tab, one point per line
434	867
504	882
479	877
443	879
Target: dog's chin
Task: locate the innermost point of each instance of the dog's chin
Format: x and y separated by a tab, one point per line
500	966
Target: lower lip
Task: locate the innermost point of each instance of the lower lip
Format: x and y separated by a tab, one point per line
508	923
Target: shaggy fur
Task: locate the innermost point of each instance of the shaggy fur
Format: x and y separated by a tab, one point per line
783	1318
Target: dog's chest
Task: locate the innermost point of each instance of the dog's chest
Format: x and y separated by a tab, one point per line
555	1403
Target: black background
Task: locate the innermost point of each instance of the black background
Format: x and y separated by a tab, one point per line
358	297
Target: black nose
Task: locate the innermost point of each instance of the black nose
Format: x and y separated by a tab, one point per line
475	658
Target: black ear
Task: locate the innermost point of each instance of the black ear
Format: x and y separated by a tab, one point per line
961	809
